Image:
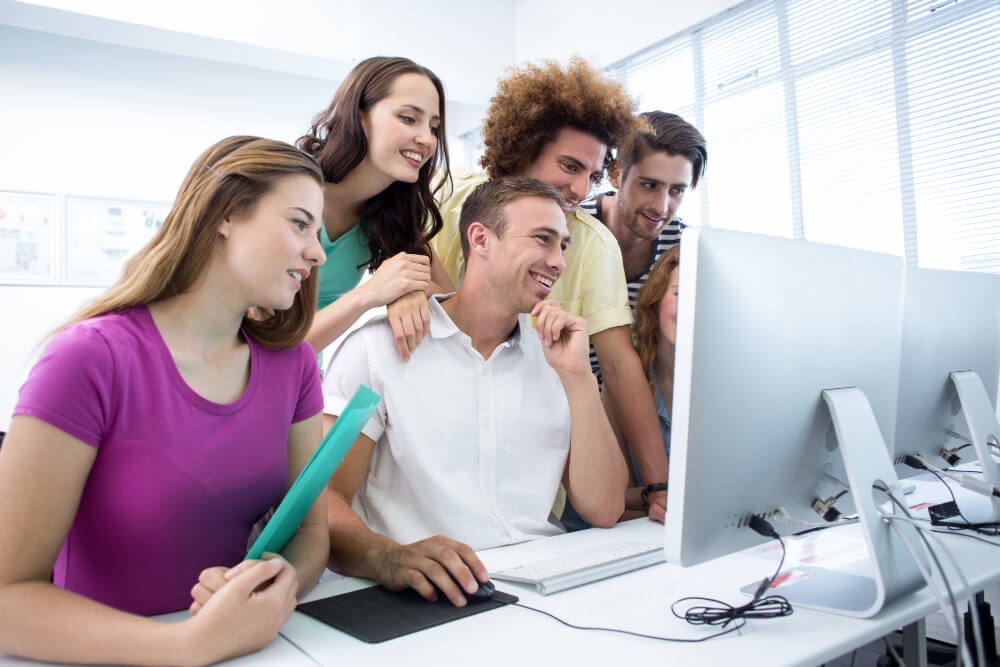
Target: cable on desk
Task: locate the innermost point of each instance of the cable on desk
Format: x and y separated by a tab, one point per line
772	606
299	648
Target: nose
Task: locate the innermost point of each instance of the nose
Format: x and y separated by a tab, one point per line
555	259
426	137
661	204
579	187
313	251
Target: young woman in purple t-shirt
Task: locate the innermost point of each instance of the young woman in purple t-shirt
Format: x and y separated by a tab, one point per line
162	421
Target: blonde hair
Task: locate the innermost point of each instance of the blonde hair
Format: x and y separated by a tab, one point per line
227	179
646	327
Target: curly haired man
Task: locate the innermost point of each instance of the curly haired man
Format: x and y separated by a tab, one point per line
559	125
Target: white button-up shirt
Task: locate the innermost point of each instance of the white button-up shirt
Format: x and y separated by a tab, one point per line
466	447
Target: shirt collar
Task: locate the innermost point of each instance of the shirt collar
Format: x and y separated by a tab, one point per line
442	326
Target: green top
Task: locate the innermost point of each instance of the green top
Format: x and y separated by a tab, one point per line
340	274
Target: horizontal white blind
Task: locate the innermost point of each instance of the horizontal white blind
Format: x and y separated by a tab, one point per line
868	123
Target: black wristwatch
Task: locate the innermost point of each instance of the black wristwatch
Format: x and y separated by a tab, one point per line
650	488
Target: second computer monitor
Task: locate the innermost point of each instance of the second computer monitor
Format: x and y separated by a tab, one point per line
764	325
951	323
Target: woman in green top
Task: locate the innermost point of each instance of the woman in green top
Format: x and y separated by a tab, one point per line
379	143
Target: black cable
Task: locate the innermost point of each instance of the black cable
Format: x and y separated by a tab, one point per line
970	535
772	606
629	632
950	493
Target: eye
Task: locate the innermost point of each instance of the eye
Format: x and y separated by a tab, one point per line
542	238
570	167
301	224
649	186
436	130
409	120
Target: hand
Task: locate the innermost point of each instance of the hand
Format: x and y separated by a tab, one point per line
564	338
657	505
400	274
245	614
214	578
410	321
435	561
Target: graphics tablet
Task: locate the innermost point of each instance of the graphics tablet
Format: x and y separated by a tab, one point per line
316	473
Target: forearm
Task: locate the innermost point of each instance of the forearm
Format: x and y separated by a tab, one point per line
633	406
597	474
332	321
308	551
354	548
44	622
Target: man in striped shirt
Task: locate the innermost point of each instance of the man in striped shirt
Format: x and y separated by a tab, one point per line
663	158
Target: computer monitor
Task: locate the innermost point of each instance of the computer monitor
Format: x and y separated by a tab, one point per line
951	324
772	335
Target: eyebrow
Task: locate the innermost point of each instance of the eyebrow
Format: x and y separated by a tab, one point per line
421	111
552	231
306	213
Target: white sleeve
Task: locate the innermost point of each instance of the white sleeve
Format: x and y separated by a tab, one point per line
351	366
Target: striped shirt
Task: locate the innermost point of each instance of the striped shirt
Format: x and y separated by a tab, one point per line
669	236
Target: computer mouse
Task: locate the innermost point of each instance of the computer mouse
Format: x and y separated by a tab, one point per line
483	593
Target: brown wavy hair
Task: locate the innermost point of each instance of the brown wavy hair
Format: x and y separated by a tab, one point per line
646	327
534	102
404	217
659	131
227	179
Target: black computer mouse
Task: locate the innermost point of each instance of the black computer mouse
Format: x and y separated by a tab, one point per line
483	593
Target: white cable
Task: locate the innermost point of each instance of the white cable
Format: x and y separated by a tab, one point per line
976	630
892	651
942	604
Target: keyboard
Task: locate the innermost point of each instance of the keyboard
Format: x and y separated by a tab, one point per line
585	566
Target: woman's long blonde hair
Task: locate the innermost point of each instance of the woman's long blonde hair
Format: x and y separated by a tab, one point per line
646	327
227	179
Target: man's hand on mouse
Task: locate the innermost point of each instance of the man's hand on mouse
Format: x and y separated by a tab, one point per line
432	565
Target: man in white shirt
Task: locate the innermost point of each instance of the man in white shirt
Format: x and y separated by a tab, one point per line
476	431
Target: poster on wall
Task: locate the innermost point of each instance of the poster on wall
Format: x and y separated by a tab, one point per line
102	233
27	238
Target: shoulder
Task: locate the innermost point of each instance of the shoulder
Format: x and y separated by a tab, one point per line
586	228
105	334
463	182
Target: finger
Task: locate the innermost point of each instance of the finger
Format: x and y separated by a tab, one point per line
459	571
195	607
425	316
213	578
410	334
260	573
237	569
400	336
201	594
416	580
419	330
439	576
472	561
422	260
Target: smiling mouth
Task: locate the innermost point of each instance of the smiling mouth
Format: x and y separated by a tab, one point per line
651	220
413	157
544	281
298	277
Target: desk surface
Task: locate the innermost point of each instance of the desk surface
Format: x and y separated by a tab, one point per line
638	601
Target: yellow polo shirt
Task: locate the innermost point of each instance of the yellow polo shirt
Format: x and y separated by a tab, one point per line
593	283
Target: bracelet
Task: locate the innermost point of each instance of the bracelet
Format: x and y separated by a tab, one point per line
650	488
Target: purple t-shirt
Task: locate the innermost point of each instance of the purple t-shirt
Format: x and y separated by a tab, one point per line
178	480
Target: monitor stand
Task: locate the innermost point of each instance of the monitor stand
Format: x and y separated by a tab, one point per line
890	571
983	427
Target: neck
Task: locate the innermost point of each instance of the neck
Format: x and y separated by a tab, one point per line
627	241
204	321
343	201
663	367
483	320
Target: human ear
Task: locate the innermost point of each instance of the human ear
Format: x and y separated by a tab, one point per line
224	229
478	237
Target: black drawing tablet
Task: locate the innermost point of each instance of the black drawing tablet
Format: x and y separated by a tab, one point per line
375	614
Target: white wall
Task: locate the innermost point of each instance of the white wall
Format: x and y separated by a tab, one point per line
603	32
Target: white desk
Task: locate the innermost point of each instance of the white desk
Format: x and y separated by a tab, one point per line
637	601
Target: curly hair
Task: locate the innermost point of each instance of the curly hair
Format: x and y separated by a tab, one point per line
646	327
534	102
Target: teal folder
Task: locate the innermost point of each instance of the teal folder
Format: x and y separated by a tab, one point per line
316	473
